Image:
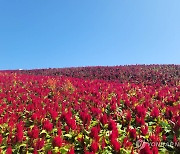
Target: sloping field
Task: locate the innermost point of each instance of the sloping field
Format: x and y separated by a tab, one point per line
122	109
146	74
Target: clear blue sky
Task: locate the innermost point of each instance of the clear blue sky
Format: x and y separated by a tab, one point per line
65	33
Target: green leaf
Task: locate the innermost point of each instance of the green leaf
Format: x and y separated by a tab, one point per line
68	135
56	150
64	150
93	123
124	151
163	150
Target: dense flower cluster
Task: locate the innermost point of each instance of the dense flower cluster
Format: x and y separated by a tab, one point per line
46	114
154	75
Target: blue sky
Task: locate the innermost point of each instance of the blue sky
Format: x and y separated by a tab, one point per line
65	33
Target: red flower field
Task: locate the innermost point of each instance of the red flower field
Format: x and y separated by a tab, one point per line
122	109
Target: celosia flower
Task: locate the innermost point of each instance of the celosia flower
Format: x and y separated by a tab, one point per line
154	138
141	111
49	152
112	125
128	116
57	141
132	133
175	139
59	132
126	142
146	150
71	151
94	146
35	132
164	137
116	145
71	123
140	121
155	112
66	129
94	133
9	150
144	130
47	125
155	150
104	119
39	144
54	115
19	136
35	151
34	116
1	138
114	134
157	129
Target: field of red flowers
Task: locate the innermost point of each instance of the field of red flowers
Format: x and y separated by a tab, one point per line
149	75
43	112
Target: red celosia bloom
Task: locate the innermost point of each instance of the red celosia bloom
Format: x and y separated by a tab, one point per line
66	129
47	125
94	146
126	142
168	113
146	150
155	112
164	137
35	151
95	111
154	138
144	130
128	116
140	120
114	134
71	123
175	139
1	138
112	125
104	119
113	107
57	141
155	150
86	118
59	132
94	133
141	111
71	151
39	144
35	132
19	136
158	129
132	133
34	116
9	150
54	115
127	103
116	145
20	126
